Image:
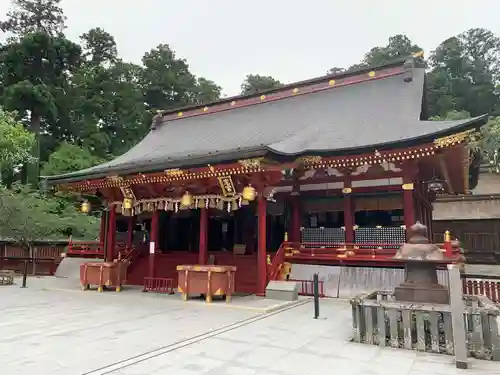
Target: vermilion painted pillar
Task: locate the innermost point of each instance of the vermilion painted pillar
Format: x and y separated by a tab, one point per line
102	232
153	241
110	253
348	215
262	246
203	248
295	222
130	232
408	201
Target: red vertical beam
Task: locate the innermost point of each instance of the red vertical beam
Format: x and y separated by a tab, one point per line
203	249
348	213
295	222
110	251
102	231
409	173
153	242
130	232
262	246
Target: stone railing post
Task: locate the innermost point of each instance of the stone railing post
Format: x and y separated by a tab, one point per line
457	317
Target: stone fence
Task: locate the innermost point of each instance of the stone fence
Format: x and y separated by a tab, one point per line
379	320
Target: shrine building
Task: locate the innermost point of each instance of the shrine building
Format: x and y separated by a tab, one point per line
325	171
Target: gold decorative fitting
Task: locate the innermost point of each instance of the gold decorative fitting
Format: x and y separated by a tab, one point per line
205	109
227	186
309	159
250	163
408	186
248	193
371	74
115	179
347	190
295	91
419	54
450	140
447	236
179	114
174	172
262	97
331	82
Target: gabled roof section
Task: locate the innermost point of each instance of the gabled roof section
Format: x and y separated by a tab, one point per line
343	114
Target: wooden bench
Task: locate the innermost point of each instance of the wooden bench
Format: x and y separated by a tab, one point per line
7	277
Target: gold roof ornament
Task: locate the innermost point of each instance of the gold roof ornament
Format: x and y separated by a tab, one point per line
453	139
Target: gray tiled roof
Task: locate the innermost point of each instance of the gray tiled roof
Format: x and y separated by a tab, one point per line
368	115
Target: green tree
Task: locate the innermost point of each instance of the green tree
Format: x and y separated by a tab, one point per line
398	46
465	70
166	79
15	142
34	72
206	91
69	158
31	16
28	216
99	47
255	83
35	66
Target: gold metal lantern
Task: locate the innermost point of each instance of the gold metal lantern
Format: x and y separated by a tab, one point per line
187	199
85	208
248	193
127	204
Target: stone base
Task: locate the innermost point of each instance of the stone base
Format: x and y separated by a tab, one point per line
433	293
283	290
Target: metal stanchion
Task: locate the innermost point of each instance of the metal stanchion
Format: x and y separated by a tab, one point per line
316	295
25	273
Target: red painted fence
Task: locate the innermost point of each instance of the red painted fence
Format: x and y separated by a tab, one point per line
42	260
158	285
483	286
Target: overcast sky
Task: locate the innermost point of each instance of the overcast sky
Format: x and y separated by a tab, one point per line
290	40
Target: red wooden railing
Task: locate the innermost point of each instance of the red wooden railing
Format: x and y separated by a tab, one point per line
158	285
91	248
277	262
482	286
307	287
355	251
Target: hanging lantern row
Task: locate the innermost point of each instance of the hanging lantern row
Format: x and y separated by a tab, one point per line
189	202
128	207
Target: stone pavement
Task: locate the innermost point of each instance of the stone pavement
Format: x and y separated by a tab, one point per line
60	332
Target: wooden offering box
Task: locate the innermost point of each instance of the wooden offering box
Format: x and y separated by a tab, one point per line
112	274
206	279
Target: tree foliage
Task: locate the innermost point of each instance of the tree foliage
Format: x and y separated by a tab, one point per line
255	83
15	141
68	158
28	216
